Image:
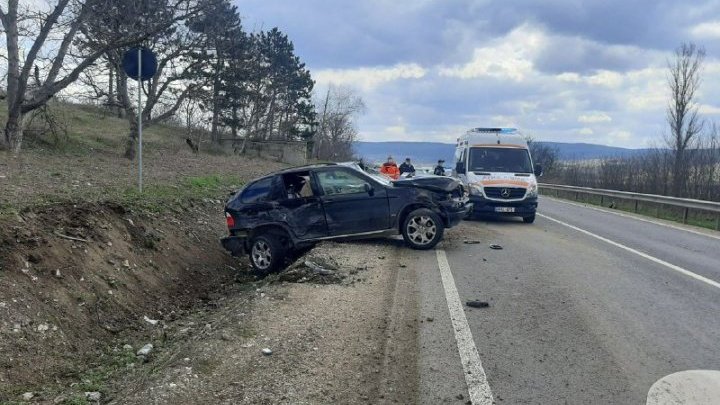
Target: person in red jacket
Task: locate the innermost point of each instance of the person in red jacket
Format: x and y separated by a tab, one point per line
390	169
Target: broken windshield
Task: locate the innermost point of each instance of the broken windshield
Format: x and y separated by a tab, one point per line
511	160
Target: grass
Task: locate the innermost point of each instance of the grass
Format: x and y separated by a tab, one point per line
697	218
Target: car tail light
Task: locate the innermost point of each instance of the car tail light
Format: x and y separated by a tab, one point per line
230	220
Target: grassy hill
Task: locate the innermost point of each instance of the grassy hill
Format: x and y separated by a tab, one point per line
88	164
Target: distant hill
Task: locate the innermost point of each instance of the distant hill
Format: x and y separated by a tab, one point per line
430	152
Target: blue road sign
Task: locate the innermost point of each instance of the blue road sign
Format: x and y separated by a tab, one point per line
148	63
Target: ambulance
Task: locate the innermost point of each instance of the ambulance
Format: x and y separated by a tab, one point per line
495	166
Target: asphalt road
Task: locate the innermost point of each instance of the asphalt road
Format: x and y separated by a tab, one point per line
584	315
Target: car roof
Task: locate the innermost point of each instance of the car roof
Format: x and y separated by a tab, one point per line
304	168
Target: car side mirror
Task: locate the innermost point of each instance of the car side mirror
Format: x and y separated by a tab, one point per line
460	168
538	170
369	189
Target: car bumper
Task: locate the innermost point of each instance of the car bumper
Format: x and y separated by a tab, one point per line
523	208
457	212
234	244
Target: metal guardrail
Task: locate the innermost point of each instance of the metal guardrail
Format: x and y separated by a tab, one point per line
686	204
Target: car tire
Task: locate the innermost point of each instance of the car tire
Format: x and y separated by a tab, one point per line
529	220
422	229
267	253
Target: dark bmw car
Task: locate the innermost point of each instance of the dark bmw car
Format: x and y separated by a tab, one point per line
297	207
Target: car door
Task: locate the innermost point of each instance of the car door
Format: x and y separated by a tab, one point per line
304	214
353	203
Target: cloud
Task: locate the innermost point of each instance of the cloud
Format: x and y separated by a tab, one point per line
368	78
509	57
586	131
706	30
594	118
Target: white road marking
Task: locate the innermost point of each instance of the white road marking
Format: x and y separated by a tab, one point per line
475	378
639	253
679	228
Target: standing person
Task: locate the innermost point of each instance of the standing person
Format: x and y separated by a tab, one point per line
407	167
390	169
439	169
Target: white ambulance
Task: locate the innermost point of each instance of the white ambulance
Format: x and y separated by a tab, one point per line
495	166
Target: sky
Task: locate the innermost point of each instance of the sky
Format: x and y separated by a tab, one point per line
559	70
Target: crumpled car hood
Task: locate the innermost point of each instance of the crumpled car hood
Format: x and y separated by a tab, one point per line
433	183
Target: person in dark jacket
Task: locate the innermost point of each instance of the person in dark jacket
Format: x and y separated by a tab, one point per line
407	167
439	169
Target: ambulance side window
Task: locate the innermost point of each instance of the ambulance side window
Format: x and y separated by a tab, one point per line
461	164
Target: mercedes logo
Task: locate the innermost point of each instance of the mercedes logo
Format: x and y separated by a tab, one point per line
505	193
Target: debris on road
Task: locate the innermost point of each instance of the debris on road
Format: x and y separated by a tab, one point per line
471	242
27	396
496	247
145	350
93	396
477	304
318	268
266	351
429	319
150	321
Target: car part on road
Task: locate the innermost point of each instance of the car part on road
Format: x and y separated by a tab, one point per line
477	304
318	269
496	247
266	351
423	229
471	242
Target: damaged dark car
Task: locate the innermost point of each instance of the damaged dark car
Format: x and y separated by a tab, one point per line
295	208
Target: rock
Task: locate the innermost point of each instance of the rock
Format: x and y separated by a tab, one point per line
34	258
145	350
58	274
266	351
126	263
496	247
93	396
43	327
429	319
127	347
150	321
27	396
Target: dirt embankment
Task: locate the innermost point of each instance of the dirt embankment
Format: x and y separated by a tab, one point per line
79	281
84	287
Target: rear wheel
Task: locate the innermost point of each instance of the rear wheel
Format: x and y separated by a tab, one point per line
422	229
267	253
530	219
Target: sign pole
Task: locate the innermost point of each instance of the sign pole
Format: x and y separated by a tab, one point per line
140	153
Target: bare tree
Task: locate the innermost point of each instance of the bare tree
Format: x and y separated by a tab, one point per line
337	127
682	112
51	37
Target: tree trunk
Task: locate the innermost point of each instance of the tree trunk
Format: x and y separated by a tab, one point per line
678	173
131	143
14	129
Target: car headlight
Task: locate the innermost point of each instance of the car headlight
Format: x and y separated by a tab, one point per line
533	190
476	189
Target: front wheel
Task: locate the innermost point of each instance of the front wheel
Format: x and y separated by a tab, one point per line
422	229
529	220
267	253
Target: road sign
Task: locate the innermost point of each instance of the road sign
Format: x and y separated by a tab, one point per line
139	62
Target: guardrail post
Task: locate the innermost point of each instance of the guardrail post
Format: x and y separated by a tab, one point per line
717	223
636	206
577	196
685	215
657	210
602	200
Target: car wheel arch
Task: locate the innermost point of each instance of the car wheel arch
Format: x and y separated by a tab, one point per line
412	207
274	229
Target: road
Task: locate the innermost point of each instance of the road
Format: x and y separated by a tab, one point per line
585	307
